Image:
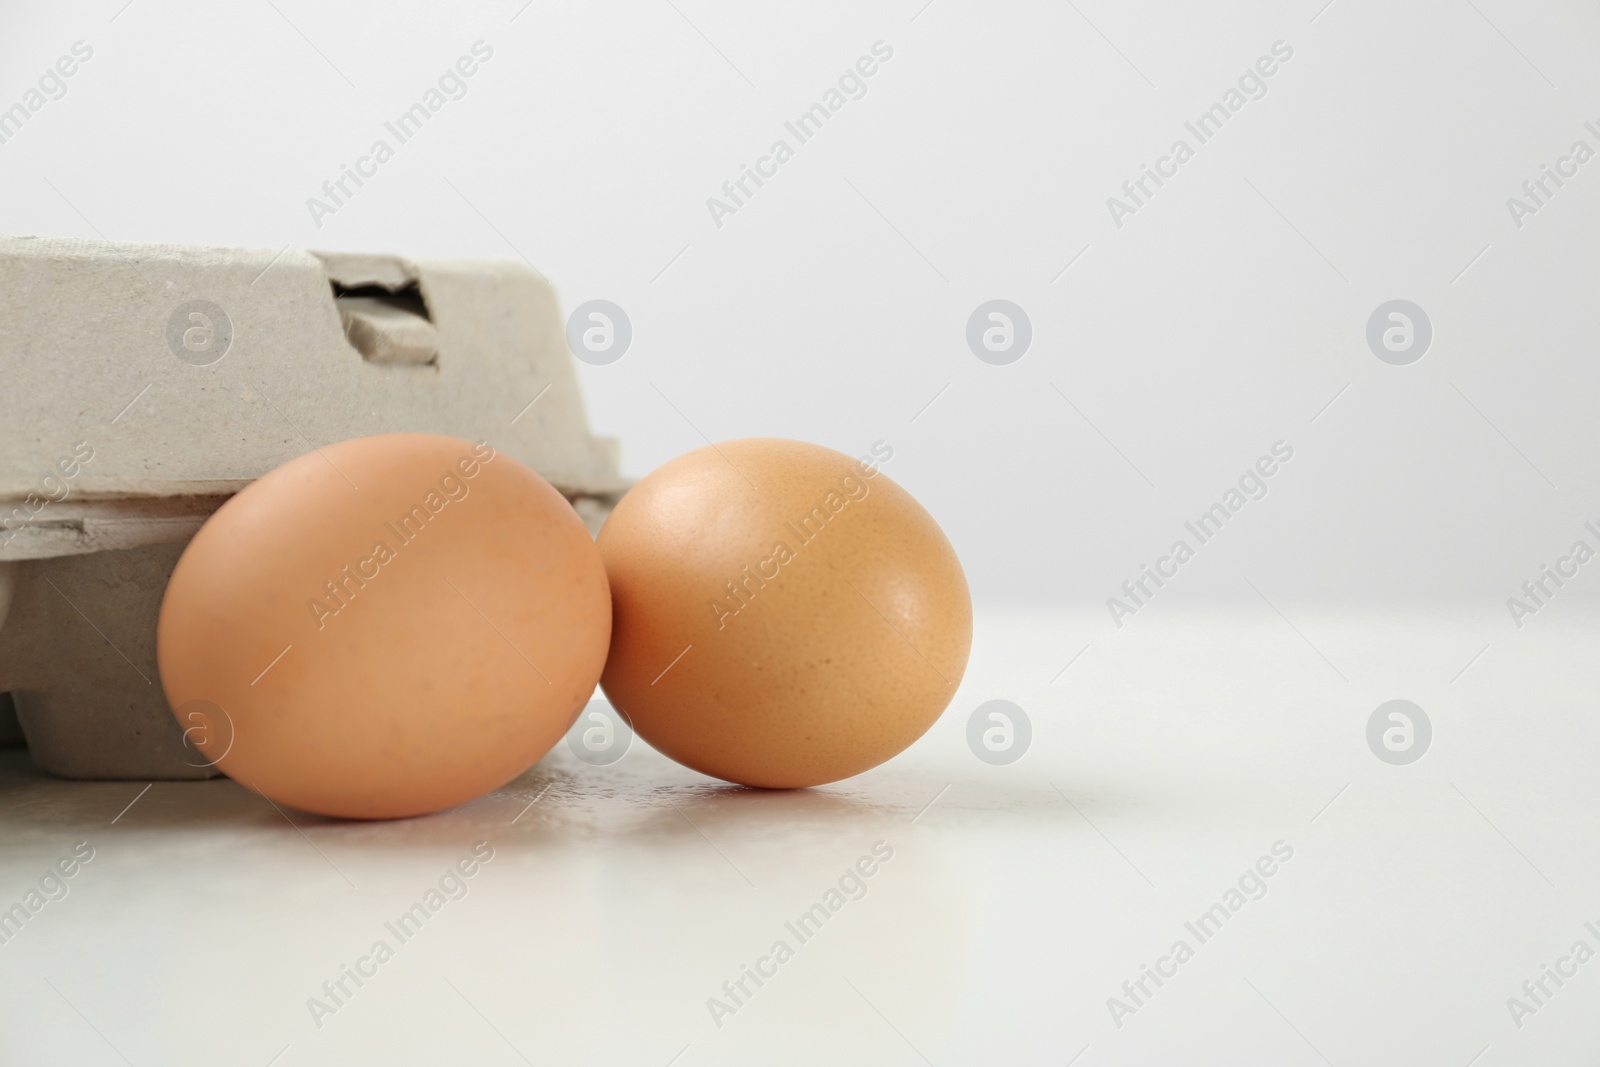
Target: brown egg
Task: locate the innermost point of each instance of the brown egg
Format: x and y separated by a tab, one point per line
385	627
783	615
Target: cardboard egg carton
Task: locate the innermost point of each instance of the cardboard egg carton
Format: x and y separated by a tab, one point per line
145	384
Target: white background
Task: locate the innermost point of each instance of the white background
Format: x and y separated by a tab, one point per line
1202	331
1227	314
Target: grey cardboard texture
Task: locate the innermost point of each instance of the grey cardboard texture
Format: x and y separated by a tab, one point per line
142	385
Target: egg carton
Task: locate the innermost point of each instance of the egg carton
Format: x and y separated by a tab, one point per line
143	385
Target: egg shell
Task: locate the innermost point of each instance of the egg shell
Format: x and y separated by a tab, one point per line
385	626
783	615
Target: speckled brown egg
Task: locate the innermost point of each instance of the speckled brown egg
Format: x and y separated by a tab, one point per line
782	615
385	626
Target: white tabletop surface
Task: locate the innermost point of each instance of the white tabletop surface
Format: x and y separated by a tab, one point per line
1166	760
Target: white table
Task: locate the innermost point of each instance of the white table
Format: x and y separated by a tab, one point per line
1166	760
